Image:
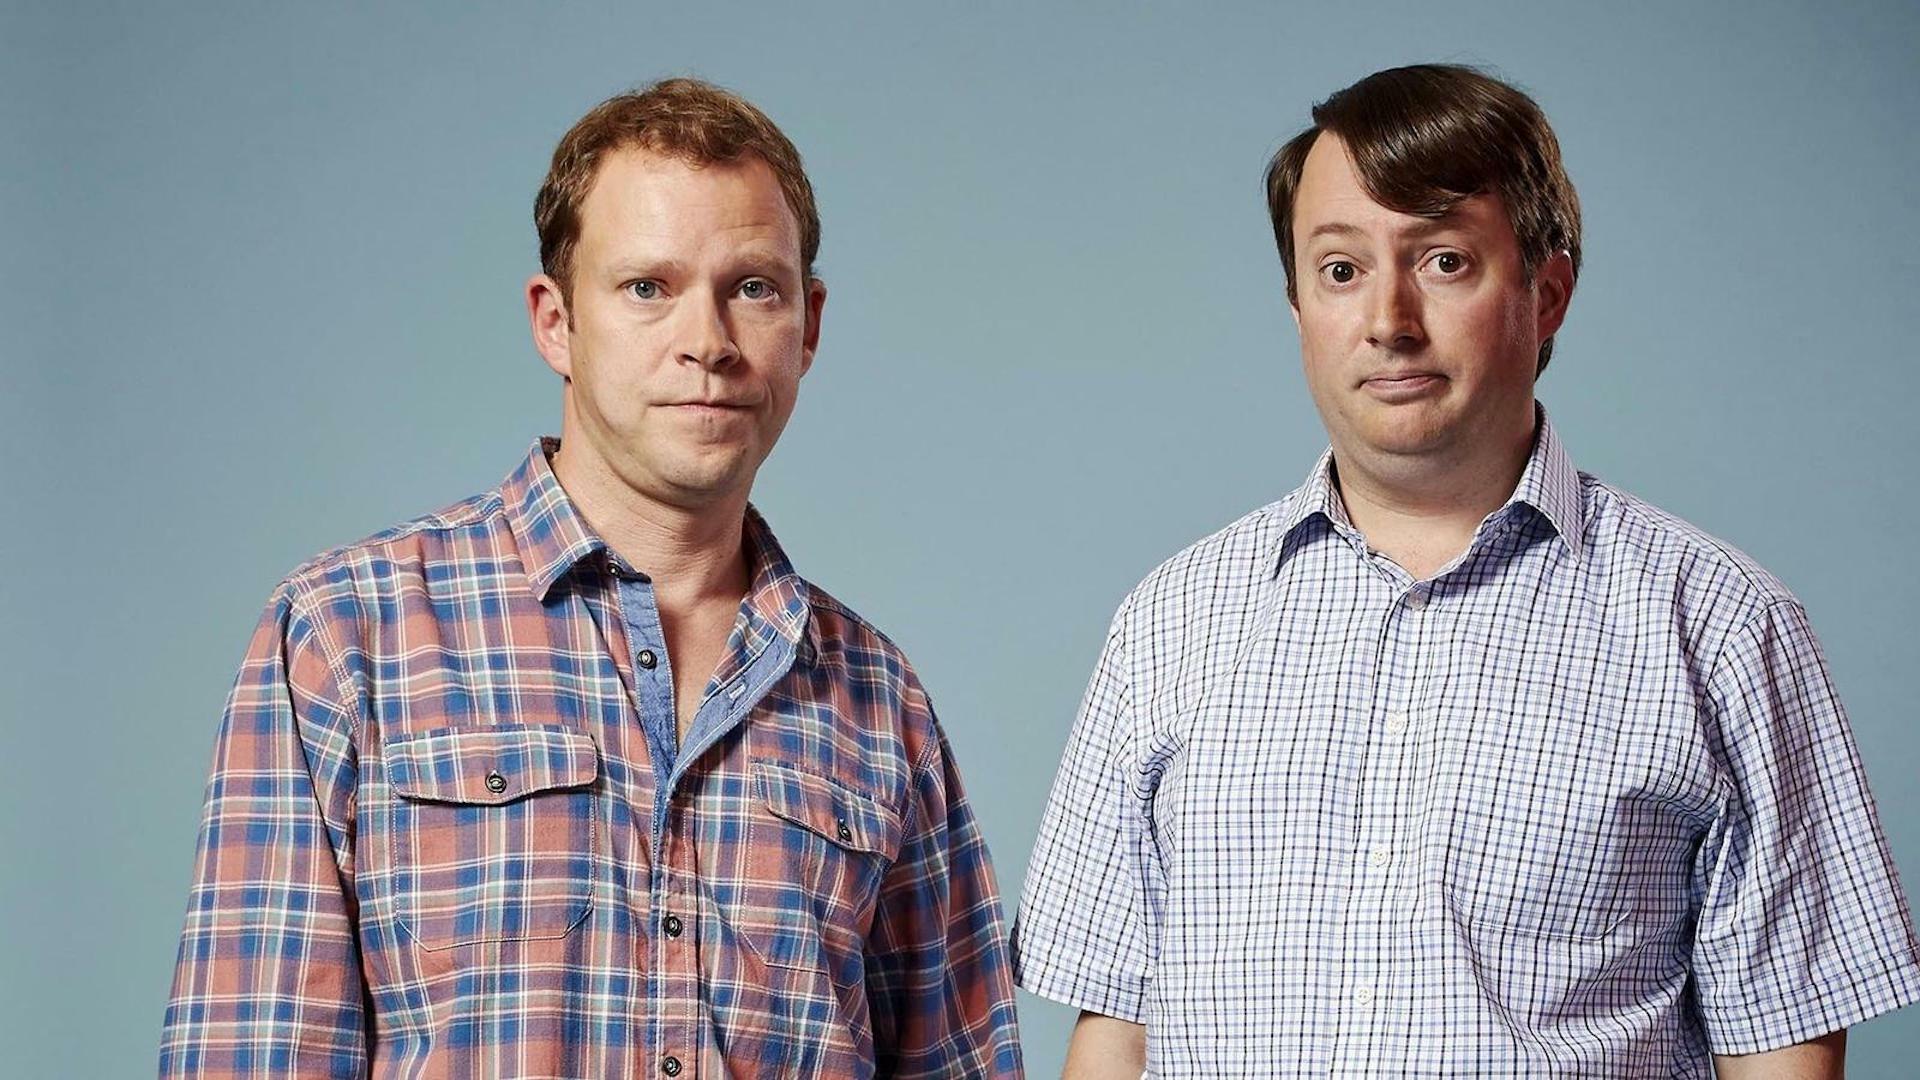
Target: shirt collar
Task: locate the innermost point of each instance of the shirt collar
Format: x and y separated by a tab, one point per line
1549	484
1315	497
553	538
777	595
551	534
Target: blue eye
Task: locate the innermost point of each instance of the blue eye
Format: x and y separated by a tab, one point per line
644	290
756	289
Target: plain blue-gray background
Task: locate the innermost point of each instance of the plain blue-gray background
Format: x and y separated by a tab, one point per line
260	271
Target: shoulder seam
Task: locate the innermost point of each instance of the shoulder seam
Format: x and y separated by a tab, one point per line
1746	626
921	770
300	592
819	598
1736	561
475	509
1221	537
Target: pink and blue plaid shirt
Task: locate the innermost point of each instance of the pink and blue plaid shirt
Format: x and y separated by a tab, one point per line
441	839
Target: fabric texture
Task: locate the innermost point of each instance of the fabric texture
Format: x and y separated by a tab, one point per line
437	840
1585	803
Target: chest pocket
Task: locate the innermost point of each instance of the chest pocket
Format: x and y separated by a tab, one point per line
492	832
815	854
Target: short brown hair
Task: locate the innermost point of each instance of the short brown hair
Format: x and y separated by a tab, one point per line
693	120
1423	138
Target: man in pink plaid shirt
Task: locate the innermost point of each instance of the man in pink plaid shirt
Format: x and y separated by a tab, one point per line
578	777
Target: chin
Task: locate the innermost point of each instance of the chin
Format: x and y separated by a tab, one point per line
1405	438
706	480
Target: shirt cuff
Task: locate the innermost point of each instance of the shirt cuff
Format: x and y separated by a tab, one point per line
1814	1011
1107	993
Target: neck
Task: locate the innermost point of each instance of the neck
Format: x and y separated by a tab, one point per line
1422	512
691	553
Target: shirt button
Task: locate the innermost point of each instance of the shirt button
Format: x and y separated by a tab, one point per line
1416	598
1397	724
845	834
496	783
1362	997
670	1065
1381	855
671	924
647	659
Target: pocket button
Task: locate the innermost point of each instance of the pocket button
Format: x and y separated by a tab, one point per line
496	783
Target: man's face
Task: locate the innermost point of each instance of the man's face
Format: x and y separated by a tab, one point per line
1420	337
691	325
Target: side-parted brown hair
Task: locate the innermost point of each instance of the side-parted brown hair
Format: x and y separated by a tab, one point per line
696	121
1423	138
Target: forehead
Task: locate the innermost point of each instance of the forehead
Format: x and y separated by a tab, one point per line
642	197
1332	197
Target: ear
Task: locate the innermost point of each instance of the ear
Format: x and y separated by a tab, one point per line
810	340
1552	291
551	323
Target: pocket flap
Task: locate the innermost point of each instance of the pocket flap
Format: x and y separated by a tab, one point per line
842	815
490	765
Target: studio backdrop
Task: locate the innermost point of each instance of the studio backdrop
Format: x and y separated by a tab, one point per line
262	271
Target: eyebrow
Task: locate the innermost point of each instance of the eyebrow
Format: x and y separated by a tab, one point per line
643	267
1333	230
751	255
1427	227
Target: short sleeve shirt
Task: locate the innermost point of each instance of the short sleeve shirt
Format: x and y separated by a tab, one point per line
1583	803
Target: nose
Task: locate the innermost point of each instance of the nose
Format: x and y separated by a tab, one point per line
1394	321
702	335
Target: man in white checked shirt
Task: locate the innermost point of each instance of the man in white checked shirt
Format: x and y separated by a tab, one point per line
1456	761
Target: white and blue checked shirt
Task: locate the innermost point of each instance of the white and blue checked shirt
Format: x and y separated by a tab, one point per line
1583	804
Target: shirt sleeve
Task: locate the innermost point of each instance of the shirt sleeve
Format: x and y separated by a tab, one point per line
267	981
1803	928
1086	934
939	983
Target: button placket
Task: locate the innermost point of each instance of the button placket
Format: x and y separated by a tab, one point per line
1382	800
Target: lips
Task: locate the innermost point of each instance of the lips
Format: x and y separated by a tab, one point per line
1403	385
